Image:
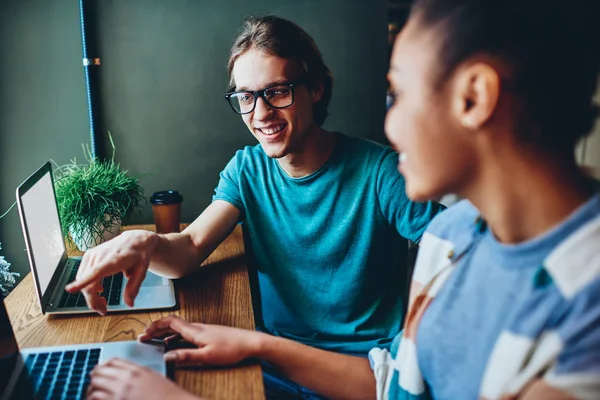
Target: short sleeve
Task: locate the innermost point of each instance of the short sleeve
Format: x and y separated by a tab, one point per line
382	363
228	188
577	370
408	217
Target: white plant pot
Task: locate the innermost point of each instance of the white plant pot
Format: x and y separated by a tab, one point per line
84	241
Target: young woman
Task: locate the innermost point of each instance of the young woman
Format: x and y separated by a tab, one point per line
490	101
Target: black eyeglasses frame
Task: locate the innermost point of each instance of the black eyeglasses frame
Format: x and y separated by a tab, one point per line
261	93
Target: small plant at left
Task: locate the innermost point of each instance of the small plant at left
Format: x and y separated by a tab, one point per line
7	278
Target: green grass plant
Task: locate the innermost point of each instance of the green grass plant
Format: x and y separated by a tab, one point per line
94	196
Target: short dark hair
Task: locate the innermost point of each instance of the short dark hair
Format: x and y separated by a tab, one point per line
551	47
282	38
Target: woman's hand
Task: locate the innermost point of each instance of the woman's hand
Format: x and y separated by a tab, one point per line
118	379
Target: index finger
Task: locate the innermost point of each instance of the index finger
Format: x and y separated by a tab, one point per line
91	275
171	324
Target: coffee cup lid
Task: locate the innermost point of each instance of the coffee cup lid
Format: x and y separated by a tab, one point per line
166	197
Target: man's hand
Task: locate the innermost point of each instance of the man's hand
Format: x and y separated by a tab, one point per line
213	344
311	367
128	253
119	379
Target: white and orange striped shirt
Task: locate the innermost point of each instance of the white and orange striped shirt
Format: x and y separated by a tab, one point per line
494	321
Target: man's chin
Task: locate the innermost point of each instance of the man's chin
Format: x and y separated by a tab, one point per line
274	151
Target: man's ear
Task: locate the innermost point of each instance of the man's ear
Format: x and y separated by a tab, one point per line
475	94
317	92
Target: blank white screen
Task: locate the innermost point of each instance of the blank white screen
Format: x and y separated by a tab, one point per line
43	225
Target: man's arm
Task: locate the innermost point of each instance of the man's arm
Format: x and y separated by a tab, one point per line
336	376
134	252
410	218
179	254
173	255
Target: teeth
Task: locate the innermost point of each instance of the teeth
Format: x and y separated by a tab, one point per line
272	130
402	157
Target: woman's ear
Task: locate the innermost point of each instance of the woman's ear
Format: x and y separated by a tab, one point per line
475	94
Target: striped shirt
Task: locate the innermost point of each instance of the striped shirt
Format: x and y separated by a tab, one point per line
506	318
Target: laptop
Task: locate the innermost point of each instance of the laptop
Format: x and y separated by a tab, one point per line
62	372
52	269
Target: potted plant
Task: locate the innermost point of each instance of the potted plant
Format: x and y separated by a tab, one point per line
94	199
7	278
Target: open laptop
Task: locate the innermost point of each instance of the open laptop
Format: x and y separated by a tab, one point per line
62	372
52	269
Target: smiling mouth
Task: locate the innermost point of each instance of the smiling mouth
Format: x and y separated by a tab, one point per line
271	130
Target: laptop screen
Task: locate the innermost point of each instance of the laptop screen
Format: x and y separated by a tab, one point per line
43	226
8	350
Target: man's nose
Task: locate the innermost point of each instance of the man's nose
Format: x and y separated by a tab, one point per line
262	109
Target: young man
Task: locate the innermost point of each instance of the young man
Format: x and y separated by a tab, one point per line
326	213
506	291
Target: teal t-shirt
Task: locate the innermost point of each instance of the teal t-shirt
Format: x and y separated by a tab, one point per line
330	247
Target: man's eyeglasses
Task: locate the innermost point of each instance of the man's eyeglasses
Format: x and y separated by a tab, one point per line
280	95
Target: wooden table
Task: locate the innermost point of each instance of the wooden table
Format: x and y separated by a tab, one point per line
218	294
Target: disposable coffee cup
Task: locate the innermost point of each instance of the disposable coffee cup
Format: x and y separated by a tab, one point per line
166	208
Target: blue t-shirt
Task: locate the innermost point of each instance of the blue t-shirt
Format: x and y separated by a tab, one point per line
330	247
498	288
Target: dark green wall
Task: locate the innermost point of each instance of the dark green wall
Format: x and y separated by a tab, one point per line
42	100
162	80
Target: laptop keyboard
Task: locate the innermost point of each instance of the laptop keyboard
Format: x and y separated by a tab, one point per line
111	285
61	375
